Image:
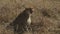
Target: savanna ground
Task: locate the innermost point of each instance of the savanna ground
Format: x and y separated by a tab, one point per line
45	18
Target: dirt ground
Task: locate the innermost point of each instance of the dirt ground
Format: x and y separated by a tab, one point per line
45	18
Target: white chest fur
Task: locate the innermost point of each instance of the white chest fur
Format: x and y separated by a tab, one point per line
29	20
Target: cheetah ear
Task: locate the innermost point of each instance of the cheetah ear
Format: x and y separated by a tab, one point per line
28	8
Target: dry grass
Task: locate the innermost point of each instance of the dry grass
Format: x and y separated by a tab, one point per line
41	22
